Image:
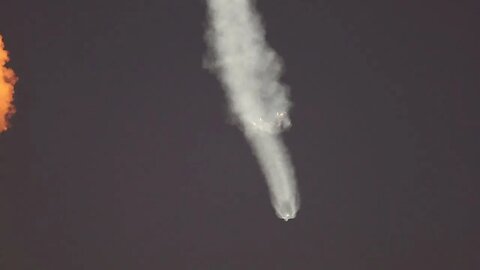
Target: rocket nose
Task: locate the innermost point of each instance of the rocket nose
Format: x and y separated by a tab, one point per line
286	211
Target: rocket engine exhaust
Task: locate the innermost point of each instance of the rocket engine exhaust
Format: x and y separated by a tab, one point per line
7	82
249	71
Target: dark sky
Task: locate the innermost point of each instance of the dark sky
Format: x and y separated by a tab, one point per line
121	155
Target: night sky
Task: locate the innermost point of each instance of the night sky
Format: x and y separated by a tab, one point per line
122	155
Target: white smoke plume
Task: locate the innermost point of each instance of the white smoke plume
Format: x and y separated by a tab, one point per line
249	71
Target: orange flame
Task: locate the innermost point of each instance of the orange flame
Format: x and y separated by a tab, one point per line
7	81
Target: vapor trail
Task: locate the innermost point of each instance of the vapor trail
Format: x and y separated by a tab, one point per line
7	81
249	71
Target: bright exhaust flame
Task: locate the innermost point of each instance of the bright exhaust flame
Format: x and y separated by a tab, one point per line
7	82
249	71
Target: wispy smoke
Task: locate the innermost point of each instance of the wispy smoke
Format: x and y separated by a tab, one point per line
249	71
7	81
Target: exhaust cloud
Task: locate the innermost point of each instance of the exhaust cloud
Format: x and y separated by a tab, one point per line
250	71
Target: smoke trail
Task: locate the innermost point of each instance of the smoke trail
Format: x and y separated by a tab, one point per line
249	71
7	81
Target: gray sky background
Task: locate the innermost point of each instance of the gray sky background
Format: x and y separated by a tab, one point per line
121	155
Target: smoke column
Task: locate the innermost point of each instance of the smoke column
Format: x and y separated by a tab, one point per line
249	71
7	81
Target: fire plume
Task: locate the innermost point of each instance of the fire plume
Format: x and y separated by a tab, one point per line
7	82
